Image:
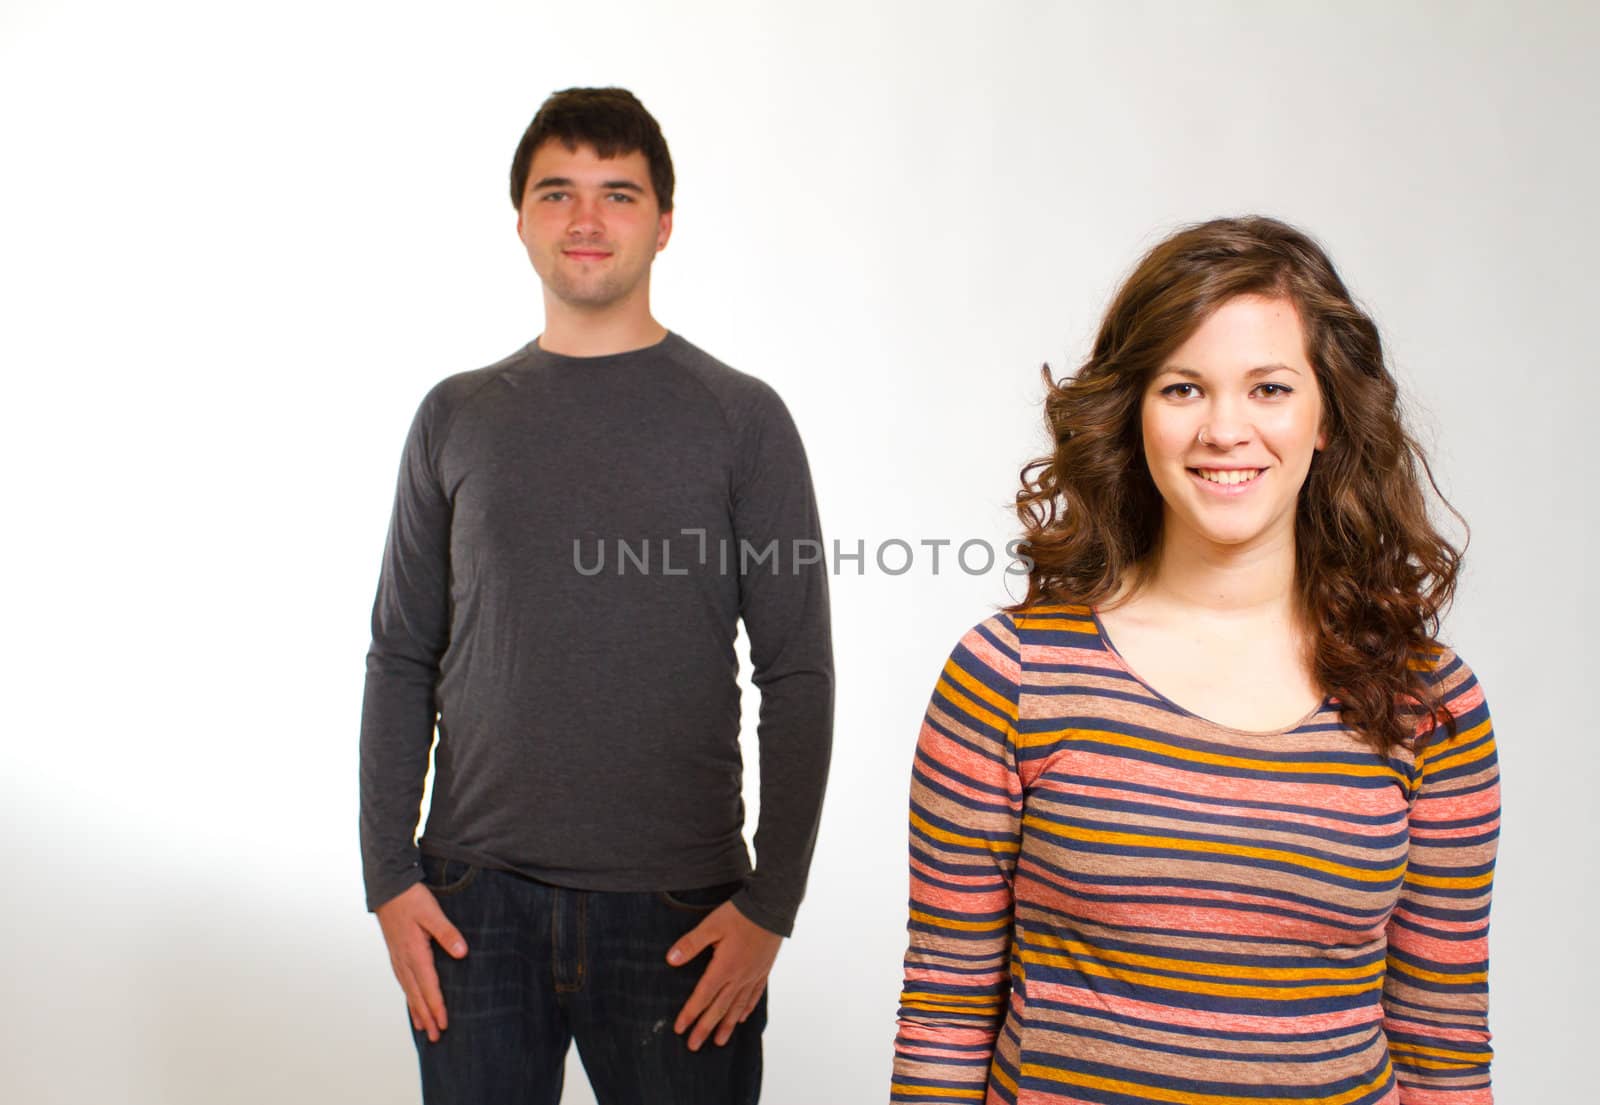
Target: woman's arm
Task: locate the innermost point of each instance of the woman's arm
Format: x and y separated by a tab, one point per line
1436	989
966	809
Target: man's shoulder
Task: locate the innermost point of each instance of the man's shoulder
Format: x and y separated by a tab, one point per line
446	399
454	390
740	394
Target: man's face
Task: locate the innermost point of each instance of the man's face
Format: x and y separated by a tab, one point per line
591	225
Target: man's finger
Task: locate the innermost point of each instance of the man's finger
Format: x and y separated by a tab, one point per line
751	1001
419	1008
423	1022
427	980
693	942
433	999
707	1023
731	1020
705	991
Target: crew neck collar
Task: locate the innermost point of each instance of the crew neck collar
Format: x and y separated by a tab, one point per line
538	352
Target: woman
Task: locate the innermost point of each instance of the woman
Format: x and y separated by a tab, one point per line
1210	816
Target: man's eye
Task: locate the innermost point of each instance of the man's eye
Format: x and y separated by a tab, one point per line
621	197
548	196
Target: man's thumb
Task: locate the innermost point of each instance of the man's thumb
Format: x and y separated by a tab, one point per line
692	943
449	937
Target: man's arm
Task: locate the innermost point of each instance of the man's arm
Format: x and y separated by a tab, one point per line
785	613
410	629
784	604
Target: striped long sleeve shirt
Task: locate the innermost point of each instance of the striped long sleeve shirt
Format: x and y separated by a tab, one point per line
1114	901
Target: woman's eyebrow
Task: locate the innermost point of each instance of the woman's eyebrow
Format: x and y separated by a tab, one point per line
1259	370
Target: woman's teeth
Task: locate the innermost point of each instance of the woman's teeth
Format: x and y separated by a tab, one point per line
1228	475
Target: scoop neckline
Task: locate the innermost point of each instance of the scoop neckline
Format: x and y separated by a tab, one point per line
1122	662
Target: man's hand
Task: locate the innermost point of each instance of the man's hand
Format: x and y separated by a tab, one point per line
741	957
411	920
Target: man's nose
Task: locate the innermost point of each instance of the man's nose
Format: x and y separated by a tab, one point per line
585	218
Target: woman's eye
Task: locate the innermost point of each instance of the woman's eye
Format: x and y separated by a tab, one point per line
1179	391
1273	391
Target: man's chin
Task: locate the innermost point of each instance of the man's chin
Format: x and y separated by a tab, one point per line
587	297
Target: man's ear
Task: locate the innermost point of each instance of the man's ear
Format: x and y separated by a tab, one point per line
663	230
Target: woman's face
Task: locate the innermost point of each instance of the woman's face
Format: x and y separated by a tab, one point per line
1231	422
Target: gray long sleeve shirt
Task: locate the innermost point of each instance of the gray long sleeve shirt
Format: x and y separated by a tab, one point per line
574	541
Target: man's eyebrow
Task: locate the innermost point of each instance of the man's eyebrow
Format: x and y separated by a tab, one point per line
1259	370
605	185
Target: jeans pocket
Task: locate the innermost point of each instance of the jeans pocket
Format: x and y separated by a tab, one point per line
447	876
702	899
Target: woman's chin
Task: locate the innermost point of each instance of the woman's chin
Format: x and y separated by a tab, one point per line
1227	533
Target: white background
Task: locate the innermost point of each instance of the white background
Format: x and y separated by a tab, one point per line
239	242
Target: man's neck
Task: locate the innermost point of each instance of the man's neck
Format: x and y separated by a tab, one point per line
578	333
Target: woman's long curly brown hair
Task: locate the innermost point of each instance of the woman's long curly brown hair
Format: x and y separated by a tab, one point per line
1373	573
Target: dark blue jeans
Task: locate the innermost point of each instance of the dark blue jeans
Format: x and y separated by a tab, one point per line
547	966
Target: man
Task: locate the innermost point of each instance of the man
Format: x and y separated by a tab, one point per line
583	871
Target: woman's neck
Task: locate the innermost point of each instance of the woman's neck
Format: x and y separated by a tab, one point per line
1241	581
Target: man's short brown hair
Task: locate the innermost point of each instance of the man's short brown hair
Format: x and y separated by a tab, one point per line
612	120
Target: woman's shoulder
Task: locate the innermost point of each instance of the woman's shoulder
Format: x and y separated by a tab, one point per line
993	643
1466	736
1012	641
1449	677
1055	625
